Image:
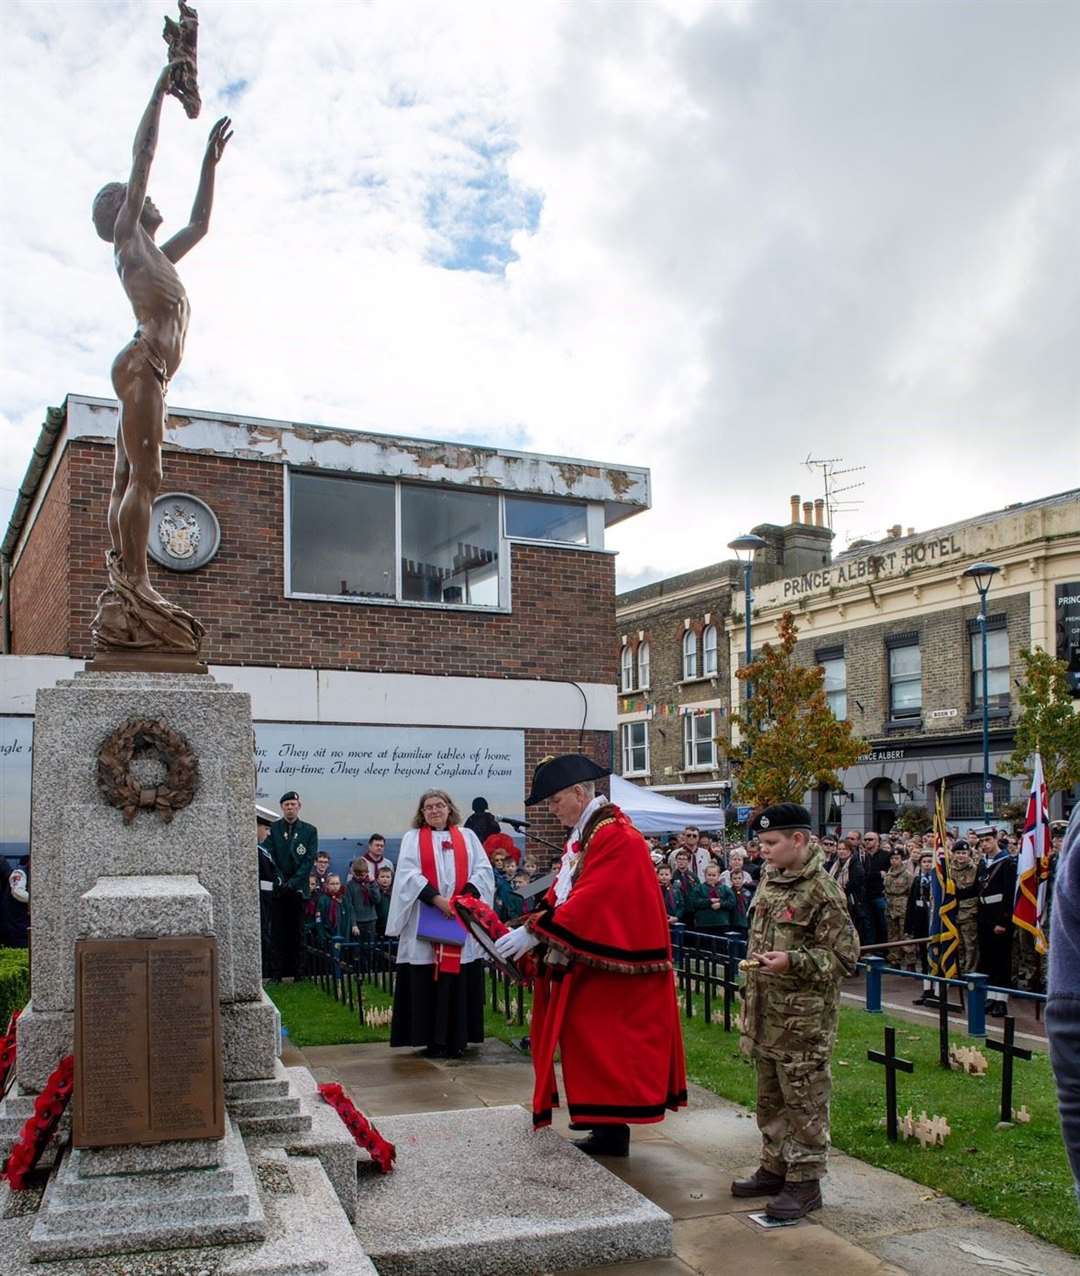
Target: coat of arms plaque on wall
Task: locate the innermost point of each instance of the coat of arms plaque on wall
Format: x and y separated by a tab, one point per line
184	532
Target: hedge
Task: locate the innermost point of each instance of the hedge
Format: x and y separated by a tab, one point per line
14	982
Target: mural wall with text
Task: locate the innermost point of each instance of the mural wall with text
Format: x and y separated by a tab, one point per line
353	780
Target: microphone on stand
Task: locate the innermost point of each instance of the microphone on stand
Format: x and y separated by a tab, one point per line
516	824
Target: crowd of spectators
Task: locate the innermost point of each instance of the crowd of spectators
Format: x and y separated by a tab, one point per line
887	880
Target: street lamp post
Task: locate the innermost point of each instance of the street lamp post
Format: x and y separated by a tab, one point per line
982	574
744	547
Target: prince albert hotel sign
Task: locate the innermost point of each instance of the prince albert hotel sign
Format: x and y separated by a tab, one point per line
874	565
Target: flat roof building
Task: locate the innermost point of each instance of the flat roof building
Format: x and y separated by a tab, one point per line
347	579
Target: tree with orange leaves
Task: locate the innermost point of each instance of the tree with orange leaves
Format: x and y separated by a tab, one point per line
789	740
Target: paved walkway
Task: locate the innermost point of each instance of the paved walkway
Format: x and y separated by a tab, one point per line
874	1222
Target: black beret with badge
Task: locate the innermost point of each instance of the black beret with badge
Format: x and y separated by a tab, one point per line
782	817
291	796
555	774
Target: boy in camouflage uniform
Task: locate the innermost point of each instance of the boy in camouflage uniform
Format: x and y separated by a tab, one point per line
803	944
897	883
967	878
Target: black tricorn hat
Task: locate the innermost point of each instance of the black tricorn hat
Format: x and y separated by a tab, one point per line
554	774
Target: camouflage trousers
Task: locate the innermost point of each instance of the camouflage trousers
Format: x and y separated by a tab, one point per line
1029	968
967	955
898	956
793	1116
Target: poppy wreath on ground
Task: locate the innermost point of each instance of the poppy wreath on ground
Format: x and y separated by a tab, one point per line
490	922
41	1124
123	789
364	1133
7	1050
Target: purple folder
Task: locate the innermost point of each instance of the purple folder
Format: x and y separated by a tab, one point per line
437	928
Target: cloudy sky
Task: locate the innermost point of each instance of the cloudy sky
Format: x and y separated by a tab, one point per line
710	238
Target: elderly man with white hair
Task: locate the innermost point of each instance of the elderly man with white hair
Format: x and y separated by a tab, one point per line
604	997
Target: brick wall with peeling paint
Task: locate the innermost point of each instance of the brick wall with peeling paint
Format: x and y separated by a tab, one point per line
560	627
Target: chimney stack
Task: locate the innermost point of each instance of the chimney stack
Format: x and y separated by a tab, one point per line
819	512
894	532
795	508
911	531
808	513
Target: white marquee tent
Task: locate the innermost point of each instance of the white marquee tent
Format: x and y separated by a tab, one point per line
653	813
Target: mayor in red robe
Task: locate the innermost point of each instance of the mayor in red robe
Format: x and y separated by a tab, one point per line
604	996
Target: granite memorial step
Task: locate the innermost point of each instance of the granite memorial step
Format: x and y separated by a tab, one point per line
296	1122
137	1188
270	1088
176	1209
284	1105
113	1215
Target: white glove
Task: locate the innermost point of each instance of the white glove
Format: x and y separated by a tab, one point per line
515	943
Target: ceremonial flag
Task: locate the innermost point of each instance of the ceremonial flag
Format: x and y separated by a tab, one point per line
943	953
1033	867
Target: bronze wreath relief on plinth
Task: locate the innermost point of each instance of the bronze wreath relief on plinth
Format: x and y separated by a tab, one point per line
145	741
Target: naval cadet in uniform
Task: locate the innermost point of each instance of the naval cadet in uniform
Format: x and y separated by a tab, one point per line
996	897
802	944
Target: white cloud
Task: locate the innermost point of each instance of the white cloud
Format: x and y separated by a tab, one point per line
766	230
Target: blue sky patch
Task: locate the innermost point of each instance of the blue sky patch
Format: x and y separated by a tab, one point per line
474	219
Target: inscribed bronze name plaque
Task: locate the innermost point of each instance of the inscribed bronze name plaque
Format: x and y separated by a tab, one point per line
147	1041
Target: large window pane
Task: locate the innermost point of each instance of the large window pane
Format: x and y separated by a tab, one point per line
635	748
539	520
644	667
905	681
836	685
699	749
449	546
709	650
341	536
997	667
689	654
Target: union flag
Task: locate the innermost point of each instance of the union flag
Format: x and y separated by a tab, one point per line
1033	867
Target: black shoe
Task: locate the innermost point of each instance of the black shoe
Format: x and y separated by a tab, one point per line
606	1140
434	1052
919	1001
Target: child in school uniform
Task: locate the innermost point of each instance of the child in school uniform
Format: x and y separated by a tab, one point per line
711	903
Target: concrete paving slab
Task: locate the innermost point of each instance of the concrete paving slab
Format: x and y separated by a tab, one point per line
651	1267
502	1207
720	1246
678	1181
862	1201
982	1247
441	1095
723	1135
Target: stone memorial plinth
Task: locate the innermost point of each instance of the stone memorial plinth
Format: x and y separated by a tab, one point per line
78	837
146	965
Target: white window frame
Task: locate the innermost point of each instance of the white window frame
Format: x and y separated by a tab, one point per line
644	667
839	691
692	739
708	648
998	699
627	730
627	670
690	657
594	523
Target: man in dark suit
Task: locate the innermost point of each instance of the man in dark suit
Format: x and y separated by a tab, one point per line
996	899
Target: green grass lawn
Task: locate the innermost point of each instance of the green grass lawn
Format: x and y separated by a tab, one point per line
1019	1174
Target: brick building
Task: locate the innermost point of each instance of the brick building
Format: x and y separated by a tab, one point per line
895	624
359	579
675	664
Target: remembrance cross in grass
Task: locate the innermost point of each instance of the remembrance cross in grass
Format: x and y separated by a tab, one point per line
1008	1053
893	1063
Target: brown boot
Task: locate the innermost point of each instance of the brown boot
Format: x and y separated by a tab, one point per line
762	1182
796	1200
